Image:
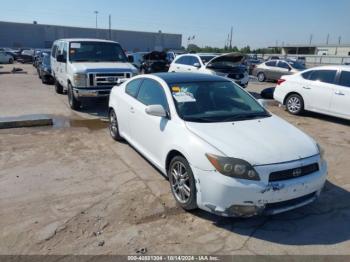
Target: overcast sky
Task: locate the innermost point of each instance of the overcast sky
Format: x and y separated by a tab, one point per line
258	23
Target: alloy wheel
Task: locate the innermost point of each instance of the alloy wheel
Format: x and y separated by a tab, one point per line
294	104
180	182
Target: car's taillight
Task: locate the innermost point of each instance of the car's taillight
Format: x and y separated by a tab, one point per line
280	81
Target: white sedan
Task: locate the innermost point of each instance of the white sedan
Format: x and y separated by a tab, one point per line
221	150
324	90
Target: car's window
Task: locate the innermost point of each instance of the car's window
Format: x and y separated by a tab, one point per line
152	93
345	79
271	63
307	74
325	76
54	49
193	60
65	50
132	88
283	65
297	65
96	52
182	60
220	101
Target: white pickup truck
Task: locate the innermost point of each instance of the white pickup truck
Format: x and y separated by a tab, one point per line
88	68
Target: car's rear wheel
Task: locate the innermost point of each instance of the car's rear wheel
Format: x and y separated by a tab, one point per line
295	104
261	77
113	126
73	102
182	183
58	87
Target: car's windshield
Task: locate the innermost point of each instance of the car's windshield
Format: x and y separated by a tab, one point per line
297	65
221	101
206	58
96	52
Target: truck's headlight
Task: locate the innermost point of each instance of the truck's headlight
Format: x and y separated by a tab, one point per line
233	167
80	80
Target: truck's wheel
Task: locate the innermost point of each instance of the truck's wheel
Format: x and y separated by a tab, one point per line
73	102
58	88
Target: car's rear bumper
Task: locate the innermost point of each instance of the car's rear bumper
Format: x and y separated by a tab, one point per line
231	197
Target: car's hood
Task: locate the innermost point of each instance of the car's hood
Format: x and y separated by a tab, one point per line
260	141
234	58
91	67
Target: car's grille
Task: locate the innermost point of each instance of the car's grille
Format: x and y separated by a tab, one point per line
293	173
106	79
235	76
288	203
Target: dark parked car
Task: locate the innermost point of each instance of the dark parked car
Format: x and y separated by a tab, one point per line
251	64
44	69
26	56
154	62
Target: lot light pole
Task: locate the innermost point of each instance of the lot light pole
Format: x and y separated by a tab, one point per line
96	13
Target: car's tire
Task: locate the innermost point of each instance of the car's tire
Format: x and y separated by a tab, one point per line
73	102
43	79
261	77
295	104
114	126
182	183
11	61
58	88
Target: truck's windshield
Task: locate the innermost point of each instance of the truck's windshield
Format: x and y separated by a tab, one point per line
96	52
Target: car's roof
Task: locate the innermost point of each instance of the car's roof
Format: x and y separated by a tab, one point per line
85	40
172	78
332	67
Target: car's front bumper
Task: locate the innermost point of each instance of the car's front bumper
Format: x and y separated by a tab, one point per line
231	197
91	92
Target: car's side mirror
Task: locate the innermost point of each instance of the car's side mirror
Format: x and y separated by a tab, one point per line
61	59
197	65
131	59
156	110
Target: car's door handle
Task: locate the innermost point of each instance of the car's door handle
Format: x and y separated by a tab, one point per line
308	88
132	110
339	93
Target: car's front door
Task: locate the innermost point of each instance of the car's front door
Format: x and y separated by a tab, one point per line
318	90
341	96
148	132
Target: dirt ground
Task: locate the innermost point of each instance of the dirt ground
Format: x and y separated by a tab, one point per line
70	189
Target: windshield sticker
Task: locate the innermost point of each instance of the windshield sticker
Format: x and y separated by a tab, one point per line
175	89
182	97
75	45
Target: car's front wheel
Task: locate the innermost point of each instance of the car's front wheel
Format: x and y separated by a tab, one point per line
113	126
182	183
295	104
73	102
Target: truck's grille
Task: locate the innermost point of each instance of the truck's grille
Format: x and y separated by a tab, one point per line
106	79
293	173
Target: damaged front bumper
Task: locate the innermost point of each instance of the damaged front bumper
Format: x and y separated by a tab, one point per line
231	197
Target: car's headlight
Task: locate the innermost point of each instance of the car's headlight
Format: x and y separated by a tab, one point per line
233	167
321	152
80	80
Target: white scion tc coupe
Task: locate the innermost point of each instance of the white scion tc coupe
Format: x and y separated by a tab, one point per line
221	150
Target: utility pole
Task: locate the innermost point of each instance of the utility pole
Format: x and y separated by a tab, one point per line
339	40
327	39
231	37
96	13
311	37
110	27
